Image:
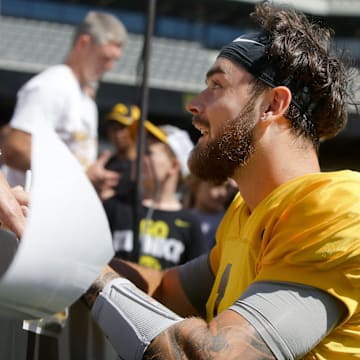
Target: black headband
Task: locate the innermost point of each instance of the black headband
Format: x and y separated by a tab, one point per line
251	52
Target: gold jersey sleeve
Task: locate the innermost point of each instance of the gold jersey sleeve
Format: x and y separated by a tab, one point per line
307	231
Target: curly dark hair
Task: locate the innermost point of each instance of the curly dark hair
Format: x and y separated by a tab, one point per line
309	67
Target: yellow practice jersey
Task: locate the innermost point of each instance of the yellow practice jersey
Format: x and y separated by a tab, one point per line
306	231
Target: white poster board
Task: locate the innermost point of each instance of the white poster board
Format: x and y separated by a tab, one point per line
67	240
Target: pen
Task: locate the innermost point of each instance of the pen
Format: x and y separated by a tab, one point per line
27	180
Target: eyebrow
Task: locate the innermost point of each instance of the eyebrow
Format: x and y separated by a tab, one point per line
214	70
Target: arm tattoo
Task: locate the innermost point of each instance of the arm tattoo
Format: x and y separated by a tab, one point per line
92	293
194	339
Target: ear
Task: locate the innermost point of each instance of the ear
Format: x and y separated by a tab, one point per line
176	166
83	41
278	102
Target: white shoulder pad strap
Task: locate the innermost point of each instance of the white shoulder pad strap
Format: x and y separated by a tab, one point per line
130	318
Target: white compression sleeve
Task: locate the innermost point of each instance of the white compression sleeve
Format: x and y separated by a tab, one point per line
130	318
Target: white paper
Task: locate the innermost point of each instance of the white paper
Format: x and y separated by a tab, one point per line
67	240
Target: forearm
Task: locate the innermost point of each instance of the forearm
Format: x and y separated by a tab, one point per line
146	279
123	312
92	293
17	159
193	338
164	286
17	150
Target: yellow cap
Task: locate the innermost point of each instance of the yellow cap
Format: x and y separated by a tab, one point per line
124	114
155	131
151	128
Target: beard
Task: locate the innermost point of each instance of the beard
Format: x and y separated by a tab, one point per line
217	160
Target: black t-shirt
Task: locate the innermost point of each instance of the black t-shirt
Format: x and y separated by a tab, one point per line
126	185
167	238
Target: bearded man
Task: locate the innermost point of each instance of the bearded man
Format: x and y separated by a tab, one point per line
282	281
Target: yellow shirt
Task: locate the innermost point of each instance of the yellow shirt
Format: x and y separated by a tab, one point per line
306	231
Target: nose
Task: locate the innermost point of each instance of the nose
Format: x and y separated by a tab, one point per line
116	55
194	105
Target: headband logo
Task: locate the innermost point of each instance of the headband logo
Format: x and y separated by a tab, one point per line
241	39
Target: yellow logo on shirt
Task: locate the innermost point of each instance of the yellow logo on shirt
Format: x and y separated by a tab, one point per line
181	223
150	261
